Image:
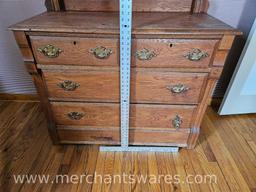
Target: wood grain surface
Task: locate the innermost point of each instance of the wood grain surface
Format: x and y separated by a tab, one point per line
147	86
172	52
94	85
193	6
76	51
226	148
112	137
138	5
168	52
24	46
107	115
154	87
108	23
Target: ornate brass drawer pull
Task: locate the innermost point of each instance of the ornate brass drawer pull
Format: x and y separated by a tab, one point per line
50	51
145	54
68	85
179	88
75	115
176	122
101	52
196	55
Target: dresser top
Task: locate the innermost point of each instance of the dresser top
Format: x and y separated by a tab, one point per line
108	23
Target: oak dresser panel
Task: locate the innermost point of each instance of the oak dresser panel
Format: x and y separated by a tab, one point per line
75	51
137	137
146	86
88	85
138	5
190	53
167	87
107	115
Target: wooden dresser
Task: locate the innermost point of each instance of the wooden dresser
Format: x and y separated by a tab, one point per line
72	54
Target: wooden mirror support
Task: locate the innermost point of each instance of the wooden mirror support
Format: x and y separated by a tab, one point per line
193	6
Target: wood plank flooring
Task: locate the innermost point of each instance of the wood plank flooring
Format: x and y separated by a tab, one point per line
226	152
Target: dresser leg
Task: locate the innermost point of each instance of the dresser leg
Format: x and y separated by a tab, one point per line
42	92
53	133
195	130
28	57
194	134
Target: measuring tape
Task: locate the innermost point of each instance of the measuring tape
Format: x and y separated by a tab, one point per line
125	78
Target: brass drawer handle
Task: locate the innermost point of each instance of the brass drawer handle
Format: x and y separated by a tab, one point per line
101	52
75	115
50	51
68	85
177	121
179	88
196	55
145	54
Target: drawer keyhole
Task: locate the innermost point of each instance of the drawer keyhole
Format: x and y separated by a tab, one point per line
74	42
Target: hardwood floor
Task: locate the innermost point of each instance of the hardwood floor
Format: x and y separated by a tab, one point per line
226	150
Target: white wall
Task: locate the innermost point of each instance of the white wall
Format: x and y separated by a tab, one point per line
14	78
239	14
228	11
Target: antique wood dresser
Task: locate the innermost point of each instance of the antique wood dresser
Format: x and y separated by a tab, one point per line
72	54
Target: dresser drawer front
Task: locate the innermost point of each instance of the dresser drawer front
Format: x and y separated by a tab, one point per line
167	87
75	51
146	86
107	115
86	85
161	116
112	137
92	114
173	53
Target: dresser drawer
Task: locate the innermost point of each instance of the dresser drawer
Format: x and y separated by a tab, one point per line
146	86
105	51
191	53
167	87
112	137
83	85
107	115
75	51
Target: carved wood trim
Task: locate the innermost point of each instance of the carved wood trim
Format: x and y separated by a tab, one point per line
200	6
53	5
49	5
